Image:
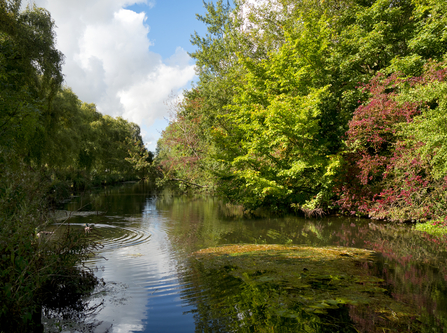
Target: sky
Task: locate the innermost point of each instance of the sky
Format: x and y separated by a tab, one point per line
129	57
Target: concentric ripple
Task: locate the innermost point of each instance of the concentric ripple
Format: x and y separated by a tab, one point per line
113	237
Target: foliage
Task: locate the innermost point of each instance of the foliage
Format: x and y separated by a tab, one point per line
272	145
436	228
395	168
32	260
140	157
86	147
278	89
50	144
181	152
46	124
30	74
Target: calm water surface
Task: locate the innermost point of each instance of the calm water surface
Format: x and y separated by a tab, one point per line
152	285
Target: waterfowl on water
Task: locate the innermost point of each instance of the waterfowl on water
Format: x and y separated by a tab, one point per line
44	233
87	228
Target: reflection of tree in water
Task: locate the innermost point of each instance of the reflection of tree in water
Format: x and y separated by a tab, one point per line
404	277
120	199
227	305
197	223
193	222
74	313
260	288
414	269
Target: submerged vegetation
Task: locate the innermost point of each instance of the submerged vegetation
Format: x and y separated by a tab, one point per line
303	289
317	106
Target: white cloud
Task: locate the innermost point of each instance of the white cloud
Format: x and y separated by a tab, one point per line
152	90
108	59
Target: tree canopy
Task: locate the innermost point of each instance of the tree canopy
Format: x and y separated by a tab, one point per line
283	88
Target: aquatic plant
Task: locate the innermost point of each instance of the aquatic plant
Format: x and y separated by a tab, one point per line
299	289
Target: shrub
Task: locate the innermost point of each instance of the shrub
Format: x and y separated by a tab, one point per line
393	167
29	262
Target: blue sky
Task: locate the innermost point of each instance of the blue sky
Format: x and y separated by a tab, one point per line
171	24
128	56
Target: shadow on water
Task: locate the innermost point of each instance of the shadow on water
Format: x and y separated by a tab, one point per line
193	264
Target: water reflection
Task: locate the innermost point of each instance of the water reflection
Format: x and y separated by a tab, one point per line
152	285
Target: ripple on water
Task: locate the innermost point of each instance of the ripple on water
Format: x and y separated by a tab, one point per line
113	237
138	261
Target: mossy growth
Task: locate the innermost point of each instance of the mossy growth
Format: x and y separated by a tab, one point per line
328	286
435	228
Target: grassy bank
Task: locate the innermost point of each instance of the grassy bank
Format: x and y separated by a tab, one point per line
434	227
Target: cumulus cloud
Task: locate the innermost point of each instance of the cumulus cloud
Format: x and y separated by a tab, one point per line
108	59
152	90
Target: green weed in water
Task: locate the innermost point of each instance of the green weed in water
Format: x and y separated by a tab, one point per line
301	289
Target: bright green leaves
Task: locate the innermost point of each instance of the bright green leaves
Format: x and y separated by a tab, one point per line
214	54
370	37
275	121
430	127
279	83
140	157
278	155
430	41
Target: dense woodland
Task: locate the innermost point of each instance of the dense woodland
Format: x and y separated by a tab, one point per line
51	145
318	106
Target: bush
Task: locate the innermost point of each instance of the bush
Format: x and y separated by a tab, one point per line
395	166
31	262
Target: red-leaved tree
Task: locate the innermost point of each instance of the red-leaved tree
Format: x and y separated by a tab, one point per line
386	176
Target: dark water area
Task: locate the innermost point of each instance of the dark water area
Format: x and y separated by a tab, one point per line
153	283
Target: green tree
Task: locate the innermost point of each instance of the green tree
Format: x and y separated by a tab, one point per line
273	147
30	75
183	152
278	86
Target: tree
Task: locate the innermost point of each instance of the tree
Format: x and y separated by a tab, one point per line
395	167
30	73
183	153
279	85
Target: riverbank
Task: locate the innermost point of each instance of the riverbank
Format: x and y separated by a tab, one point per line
63	185
435	228
38	268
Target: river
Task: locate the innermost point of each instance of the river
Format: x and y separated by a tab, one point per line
155	281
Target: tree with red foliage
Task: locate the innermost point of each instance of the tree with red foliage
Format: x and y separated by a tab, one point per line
392	170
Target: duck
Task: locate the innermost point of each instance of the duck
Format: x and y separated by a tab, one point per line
87	228
43	233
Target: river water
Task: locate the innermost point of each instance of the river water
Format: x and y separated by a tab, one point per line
152	284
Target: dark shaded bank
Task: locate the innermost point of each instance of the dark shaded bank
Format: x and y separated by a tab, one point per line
39	268
64	185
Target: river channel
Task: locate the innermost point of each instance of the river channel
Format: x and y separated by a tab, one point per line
330	274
